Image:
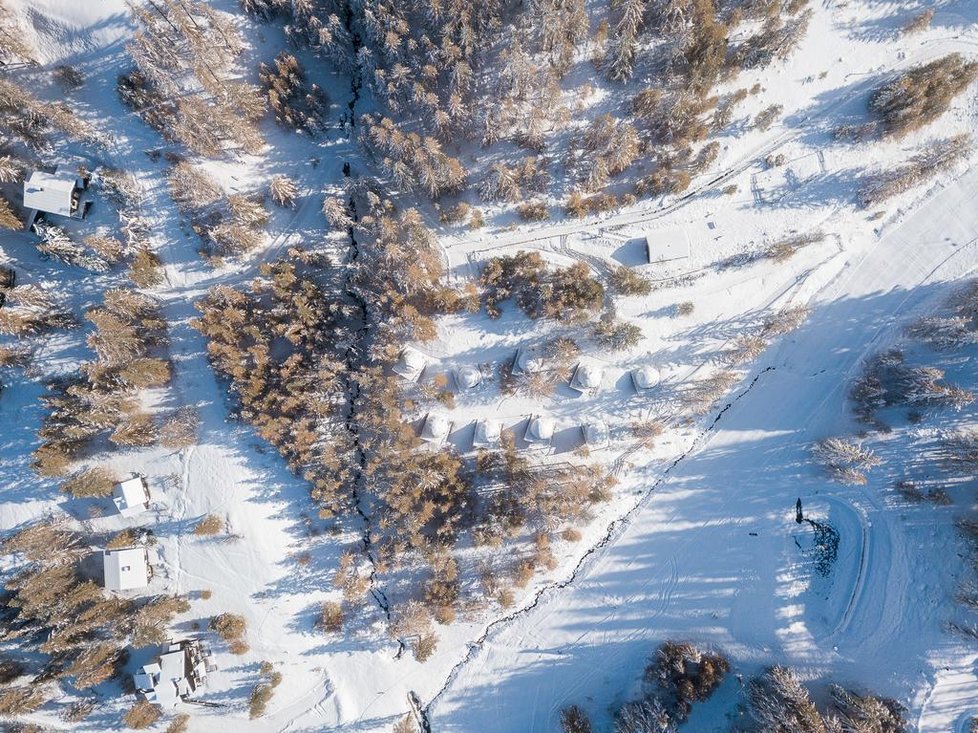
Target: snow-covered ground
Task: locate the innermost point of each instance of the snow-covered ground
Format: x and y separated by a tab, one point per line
699	541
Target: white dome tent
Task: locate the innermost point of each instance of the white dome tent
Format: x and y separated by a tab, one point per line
587	378
487	433
436	429
468	377
596	434
646	377
540	430
411	364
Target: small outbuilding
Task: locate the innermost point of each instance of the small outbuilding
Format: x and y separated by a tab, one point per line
126	569
667	245
177	673
59	193
131	497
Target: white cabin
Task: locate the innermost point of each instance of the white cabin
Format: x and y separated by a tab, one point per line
174	676
55	193
667	245
131	497
125	569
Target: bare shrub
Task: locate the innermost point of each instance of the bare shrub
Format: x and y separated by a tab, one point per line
142	715
936	157
627	281
283	191
90	482
179	431
146	268
330	617
701	395
617	335
745	348
766	117
784	321
229	626
845	460
573	719
778	701
533	211
209	526
920	22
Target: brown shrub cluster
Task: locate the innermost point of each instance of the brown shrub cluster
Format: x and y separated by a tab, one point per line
297	104
560	293
128	337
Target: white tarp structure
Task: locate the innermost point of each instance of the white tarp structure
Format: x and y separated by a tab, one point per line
125	569
54	193
176	674
529	359
596	434
468	377
131	497
667	245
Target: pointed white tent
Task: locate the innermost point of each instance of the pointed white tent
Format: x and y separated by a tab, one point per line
411	364
436	428
487	433
587	377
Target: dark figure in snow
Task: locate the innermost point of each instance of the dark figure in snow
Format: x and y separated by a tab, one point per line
799	517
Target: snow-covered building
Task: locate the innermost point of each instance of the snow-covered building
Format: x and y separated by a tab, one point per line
667	245
59	193
125	569
131	496
411	364
175	675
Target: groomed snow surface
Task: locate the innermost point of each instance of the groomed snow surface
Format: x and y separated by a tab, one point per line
702	544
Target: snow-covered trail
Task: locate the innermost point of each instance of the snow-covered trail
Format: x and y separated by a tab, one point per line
688	566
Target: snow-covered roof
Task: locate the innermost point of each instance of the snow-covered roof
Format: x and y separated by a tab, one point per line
125	569
171	677
646	377
667	245
51	192
130	497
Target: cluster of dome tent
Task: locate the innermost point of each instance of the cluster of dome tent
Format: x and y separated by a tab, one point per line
539	429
